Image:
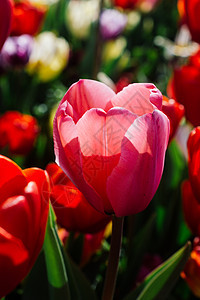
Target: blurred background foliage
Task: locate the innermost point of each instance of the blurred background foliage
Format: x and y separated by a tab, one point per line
153	235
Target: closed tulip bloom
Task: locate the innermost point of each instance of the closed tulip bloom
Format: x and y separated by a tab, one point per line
18	132
175	112
194	161
112	146
191	272
5	20
191	208
23	217
184	88
27	18
72	210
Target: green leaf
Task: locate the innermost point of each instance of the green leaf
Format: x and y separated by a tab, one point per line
158	284
84	286
56	271
65	278
36	283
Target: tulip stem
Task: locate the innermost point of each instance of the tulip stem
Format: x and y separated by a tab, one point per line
98	46
113	259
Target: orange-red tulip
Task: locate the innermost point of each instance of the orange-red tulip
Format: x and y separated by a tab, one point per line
71	208
184	87
112	146
189	11
23	217
5	20
18	132
194	161
27	19
191	273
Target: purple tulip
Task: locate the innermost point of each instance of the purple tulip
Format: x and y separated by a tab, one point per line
112	23
16	51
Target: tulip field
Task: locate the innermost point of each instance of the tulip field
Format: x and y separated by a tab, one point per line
99	149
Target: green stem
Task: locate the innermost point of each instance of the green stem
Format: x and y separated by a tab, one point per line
98	46
113	260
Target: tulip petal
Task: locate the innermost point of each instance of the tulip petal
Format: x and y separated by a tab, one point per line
8	243
68	155
139	98
41	178
13	262
56	175
17	209
39	214
100	136
134	181
9	170
87	94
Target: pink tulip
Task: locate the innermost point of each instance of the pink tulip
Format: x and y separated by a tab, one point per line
112	146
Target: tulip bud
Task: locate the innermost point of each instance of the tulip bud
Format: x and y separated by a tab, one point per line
97	143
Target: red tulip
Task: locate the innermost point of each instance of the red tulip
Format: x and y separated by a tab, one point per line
184	87
175	112
130	4
122	83
112	146
23	217
27	19
190	11
5	20
191	273
69	204
191	208
194	161
18	131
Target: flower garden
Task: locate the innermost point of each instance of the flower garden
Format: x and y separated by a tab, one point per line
99	149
